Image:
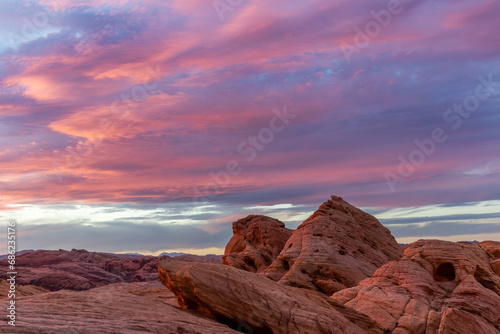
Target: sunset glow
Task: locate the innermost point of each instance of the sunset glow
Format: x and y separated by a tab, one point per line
152	125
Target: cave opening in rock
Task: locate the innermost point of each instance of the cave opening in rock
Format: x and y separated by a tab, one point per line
445	273
286	265
251	263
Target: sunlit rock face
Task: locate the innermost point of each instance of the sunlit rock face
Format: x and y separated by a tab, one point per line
437	287
141	307
254	304
256	242
337	247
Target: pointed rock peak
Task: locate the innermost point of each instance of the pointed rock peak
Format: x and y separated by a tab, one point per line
335	248
338	208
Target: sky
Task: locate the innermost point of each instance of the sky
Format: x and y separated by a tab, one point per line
150	126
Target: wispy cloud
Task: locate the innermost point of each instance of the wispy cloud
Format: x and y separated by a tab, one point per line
217	84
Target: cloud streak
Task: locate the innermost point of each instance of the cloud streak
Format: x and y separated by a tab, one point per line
77	125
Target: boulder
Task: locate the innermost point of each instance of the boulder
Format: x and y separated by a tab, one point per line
252	303
437	287
256	242
337	247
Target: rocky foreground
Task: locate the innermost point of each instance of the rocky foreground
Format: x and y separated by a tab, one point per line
341	271
145	307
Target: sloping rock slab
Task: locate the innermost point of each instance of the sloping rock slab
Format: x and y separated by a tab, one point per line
125	308
251	302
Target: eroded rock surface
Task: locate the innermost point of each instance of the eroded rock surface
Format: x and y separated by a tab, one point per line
256	242
132	308
493	250
82	270
251	302
337	247
437	287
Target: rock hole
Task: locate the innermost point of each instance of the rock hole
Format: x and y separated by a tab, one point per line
286	265
289	246
251	263
445	273
341	252
316	250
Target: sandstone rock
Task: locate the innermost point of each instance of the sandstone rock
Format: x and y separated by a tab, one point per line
48	257
256	242
253	303
437	287
493	250
495	265
130	308
27	290
82	270
210	258
337	247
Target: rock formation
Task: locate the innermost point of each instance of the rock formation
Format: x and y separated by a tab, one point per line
146	307
337	247
437	287
253	303
82	270
265	286
256	242
493	250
